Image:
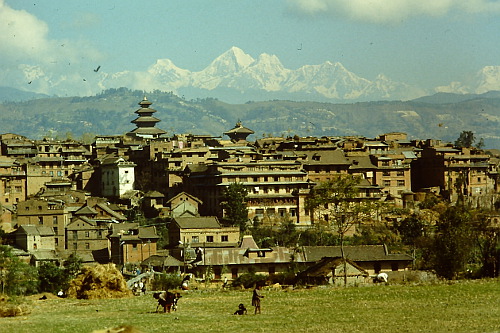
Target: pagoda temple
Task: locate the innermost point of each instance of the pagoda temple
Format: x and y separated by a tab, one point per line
146	122
239	133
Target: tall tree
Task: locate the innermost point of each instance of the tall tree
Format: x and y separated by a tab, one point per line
411	229
488	245
234	204
465	140
52	278
336	204
16	277
453	242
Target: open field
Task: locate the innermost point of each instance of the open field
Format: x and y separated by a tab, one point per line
468	306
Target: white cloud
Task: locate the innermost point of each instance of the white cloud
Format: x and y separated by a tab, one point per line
391	11
21	34
29	55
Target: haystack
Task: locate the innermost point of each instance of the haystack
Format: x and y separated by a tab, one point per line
100	281
9	308
119	329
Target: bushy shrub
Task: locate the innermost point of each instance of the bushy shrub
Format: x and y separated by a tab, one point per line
16	277
249	280
12	307
166	281
52	278
285	278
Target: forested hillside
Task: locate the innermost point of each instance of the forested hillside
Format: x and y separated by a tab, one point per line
439	117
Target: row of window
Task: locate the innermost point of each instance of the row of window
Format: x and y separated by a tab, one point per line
282	212
55	220
75	246
58	173
209	239
14	189
399	173
267	190
266	179
388	183
87	234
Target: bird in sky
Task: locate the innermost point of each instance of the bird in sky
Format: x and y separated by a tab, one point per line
97	69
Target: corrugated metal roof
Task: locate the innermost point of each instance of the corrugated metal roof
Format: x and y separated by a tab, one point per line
354	253
409	154
235	256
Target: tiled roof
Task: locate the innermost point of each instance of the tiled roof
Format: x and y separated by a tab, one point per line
30	229
360	162
147	130
45	255
111	212
86	210
201	222
186	194
325	266
148	232
324	157
159	260
154	194
248	242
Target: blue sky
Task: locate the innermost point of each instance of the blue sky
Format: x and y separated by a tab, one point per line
421	42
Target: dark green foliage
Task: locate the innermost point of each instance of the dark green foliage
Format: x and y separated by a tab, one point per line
114	107
453	242
2	235
249	280
162	231
235	206
286	278
16	277
487	243
166	281
72	266
465	140
411	229
315	237
52	278
285	235
374	235
429	202
288	236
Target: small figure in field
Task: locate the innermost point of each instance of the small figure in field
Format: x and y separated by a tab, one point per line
165	299
381	277
256	296
185	282
241	310
224	285
142	287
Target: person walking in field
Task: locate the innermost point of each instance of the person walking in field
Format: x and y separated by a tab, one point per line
256	296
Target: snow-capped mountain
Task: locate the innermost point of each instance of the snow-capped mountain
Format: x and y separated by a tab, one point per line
237	72
237	77
486	79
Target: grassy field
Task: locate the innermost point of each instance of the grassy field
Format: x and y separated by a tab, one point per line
469	306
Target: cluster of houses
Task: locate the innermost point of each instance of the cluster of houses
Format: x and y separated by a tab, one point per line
63	197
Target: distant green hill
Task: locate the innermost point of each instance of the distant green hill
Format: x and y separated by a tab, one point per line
446	98
112	111
8	94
